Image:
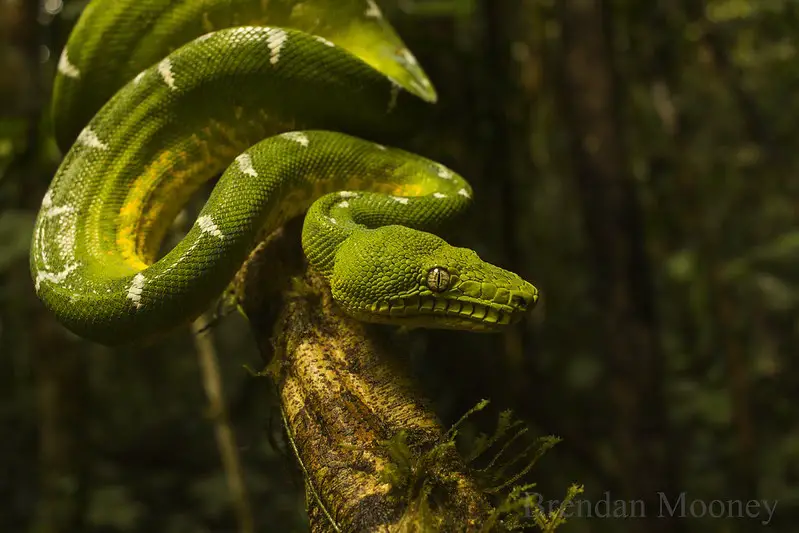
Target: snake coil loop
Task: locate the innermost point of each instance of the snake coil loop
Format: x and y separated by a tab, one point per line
156	97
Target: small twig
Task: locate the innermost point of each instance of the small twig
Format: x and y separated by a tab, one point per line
225	438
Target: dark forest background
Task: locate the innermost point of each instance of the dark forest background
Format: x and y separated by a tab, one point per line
636	160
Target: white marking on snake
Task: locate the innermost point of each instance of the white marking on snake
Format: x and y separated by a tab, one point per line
333	220
439	195
55	277
47	201
66	241
275	41
400	199
408	57
380	147
39	248
297	137
66	67
373	11
139	77
165	70
207	225
464	192
245	164
58	210
136	288
180	259
345	203
88	138
205	36
418	86
392	101
348	194
323	40
444	172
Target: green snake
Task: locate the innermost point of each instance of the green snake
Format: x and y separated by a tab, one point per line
155	97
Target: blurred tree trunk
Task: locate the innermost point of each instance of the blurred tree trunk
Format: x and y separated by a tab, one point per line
504	141
60	373
684	211
623	284
727	319
57	364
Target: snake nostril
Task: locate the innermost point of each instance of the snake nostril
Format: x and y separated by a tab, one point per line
519	301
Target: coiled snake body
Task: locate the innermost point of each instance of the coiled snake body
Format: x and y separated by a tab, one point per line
186	89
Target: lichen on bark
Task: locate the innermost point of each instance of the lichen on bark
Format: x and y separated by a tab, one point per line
373	455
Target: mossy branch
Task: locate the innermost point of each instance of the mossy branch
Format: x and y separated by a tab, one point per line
373	455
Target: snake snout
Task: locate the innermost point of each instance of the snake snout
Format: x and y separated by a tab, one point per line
525	298
522	302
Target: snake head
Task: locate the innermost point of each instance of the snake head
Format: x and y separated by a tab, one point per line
403	276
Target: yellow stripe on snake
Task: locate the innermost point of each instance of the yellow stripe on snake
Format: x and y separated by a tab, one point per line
155	97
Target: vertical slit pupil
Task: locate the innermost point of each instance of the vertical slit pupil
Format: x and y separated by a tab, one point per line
438	279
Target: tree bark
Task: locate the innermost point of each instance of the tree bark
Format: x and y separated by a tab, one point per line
343	397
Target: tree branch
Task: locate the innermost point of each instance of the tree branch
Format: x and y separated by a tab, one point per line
345	402
225	438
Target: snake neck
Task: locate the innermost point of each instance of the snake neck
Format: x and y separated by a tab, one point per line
330	221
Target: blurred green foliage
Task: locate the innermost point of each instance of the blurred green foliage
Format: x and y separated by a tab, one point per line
117	440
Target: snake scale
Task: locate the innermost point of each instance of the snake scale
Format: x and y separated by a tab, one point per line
153	98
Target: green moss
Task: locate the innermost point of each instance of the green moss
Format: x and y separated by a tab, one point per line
416	477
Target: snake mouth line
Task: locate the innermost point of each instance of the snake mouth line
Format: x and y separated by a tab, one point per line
447	312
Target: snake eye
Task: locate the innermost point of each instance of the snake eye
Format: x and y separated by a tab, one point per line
438	279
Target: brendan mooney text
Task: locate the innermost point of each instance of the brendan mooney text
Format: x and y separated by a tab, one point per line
679	506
